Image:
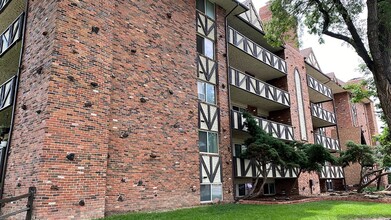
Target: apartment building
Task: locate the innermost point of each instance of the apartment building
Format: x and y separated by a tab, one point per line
116	106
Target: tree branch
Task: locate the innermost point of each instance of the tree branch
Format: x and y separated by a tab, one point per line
359	45
355	40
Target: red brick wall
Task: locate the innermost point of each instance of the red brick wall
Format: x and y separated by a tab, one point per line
295	60
134	55
223	103
166	124
31	129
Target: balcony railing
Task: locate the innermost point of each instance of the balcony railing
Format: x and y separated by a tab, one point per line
205	26
250	168
319	87
3	3
320	113
7	91
326	142
331	172
257	87
277	130
246	45
11	35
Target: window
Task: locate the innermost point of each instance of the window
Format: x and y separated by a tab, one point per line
206	92
210	192
205	47
239	150
354	115
243	189
208	142
300	103
206	7
269	189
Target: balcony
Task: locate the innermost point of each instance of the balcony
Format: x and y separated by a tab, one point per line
11	35
246	55
322	118
318	92
331	172
250	168
326	142
3	4
7	91
277	130
248	89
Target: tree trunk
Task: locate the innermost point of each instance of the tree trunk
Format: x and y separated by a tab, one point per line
360	189
379	39
378	182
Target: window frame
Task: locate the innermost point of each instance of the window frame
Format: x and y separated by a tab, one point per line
211	191
205	92
207	142
203	39
268	188
205	8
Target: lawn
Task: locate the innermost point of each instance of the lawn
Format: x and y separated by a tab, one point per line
315	210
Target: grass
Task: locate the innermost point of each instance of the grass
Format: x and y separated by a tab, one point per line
315	210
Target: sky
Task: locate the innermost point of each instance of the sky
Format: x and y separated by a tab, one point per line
332	56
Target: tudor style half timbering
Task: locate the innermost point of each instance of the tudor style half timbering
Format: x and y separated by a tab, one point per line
208	113
3	4
11	35
252	49
277	130
252	85
141	103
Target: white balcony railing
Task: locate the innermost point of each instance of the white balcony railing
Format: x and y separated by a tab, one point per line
277	130
11	35
319	87
257	87
250	168
331	172
327	142
246	45
7	91
323	114
3	3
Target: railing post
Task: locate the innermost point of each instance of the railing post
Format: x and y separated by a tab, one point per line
30	201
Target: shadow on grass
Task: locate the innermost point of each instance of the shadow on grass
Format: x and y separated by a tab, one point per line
315	210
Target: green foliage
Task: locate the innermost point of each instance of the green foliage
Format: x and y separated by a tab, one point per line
360	91
267	149
315	156
330	210
358	153
315	15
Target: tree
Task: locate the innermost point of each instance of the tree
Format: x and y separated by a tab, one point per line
312	159
265	149
373	165
340	19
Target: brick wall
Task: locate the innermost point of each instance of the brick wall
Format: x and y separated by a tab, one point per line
31	129
225	148
160	72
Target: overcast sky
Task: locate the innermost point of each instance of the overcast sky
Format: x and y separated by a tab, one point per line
332	56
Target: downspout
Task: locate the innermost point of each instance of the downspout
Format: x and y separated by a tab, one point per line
4	170
229	97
